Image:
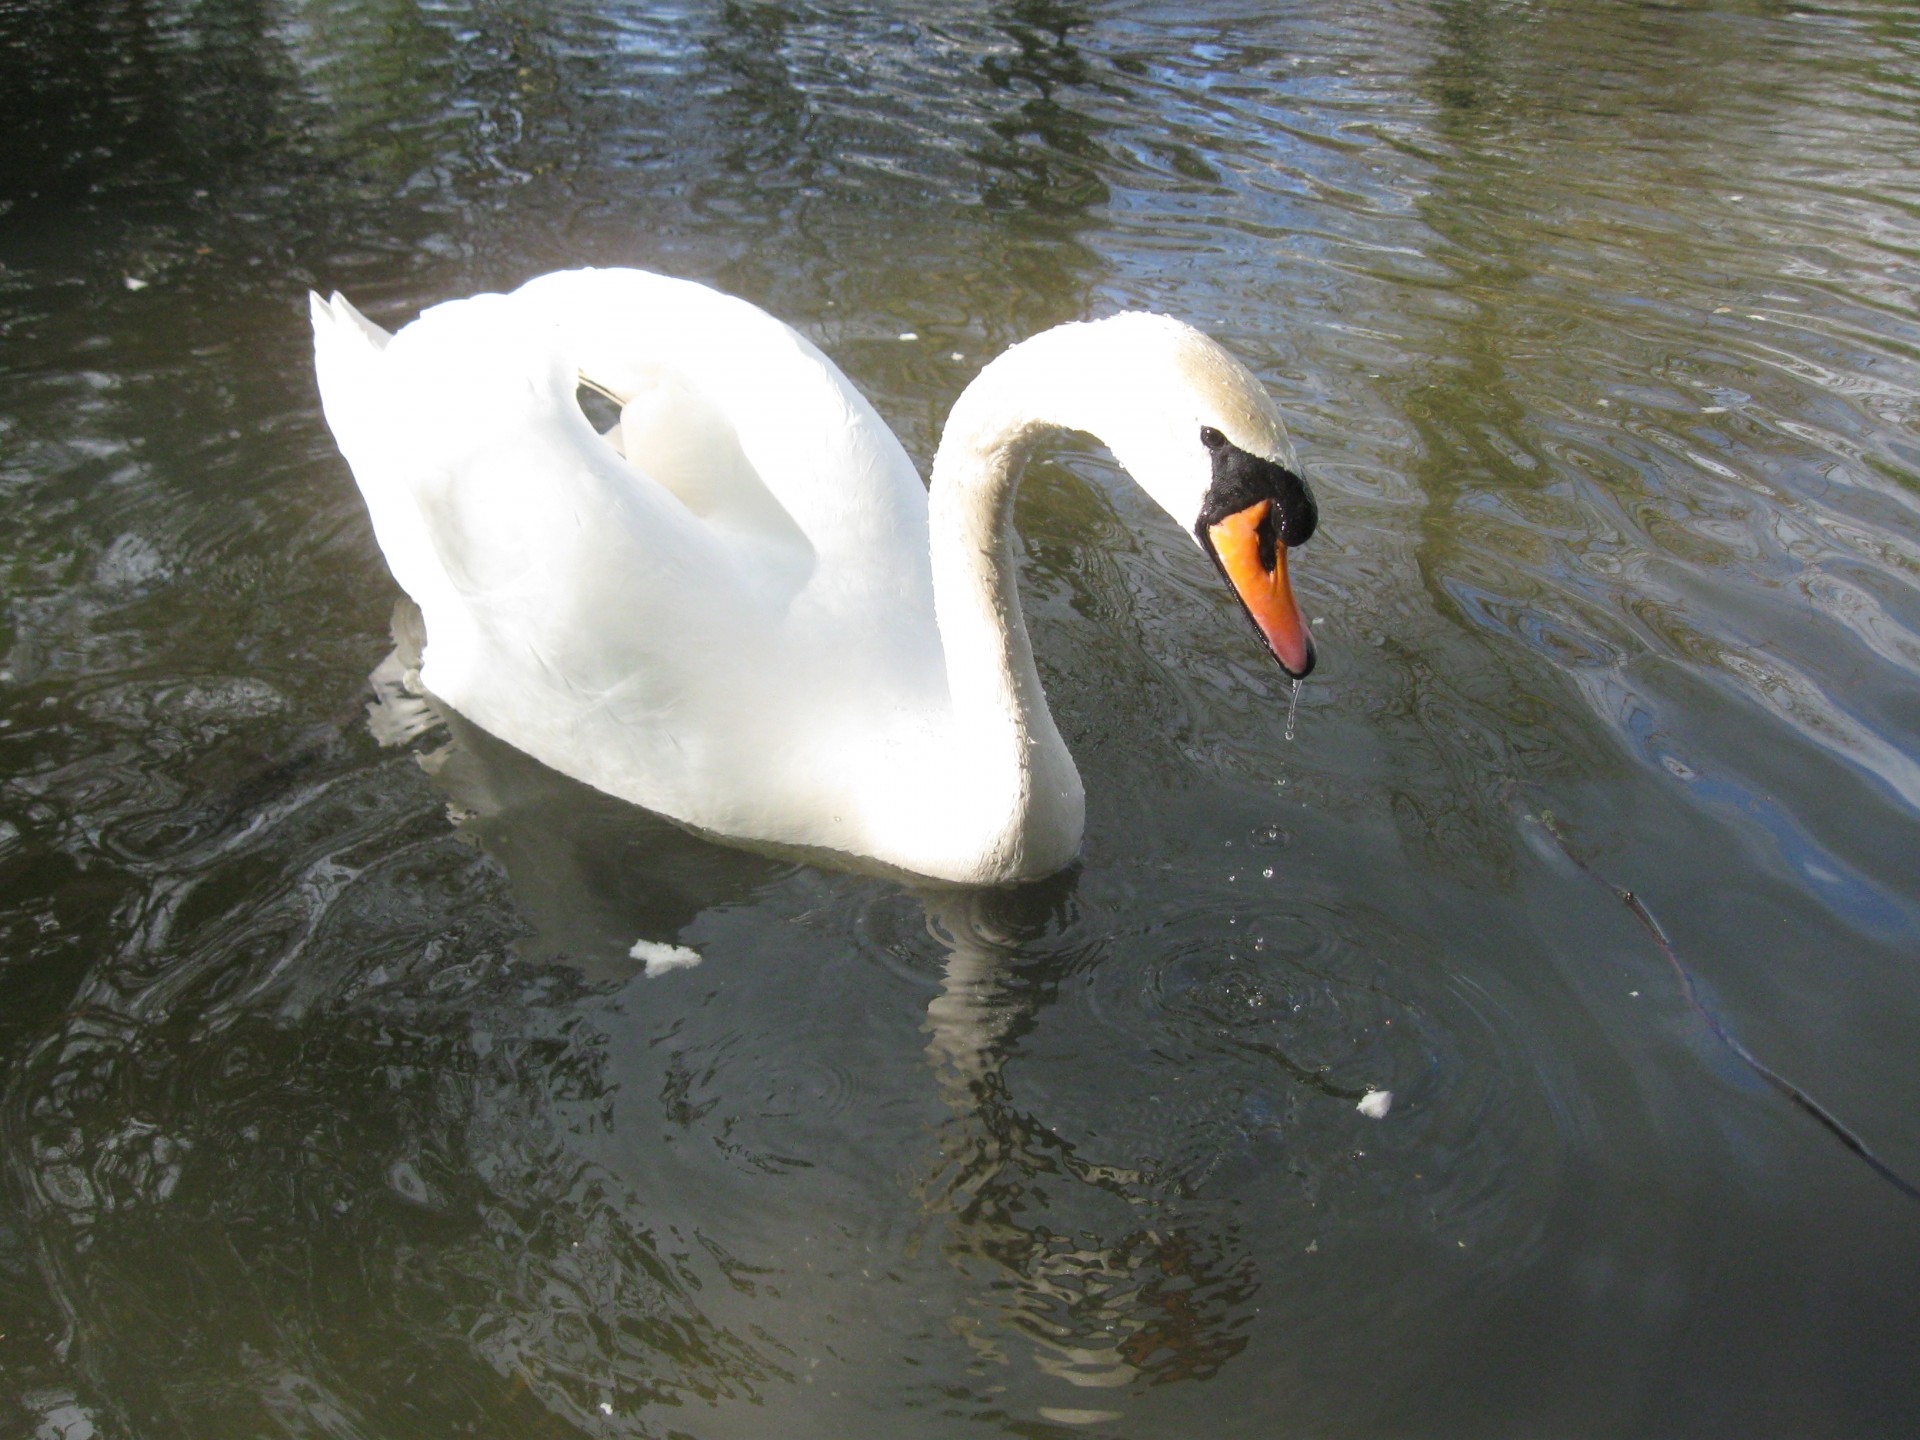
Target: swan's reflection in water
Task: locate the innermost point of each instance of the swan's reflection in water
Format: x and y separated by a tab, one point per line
1076	1280
1136	1300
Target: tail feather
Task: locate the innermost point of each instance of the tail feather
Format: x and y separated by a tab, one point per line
345	313
346	357
367	421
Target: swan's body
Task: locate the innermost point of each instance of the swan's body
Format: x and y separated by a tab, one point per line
741	608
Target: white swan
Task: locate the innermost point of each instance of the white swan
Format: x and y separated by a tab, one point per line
740	607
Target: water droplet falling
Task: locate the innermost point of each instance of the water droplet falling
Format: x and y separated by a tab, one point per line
1293	707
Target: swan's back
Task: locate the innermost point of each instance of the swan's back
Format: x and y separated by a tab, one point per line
630	632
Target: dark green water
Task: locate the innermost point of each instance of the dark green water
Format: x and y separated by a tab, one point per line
332	1105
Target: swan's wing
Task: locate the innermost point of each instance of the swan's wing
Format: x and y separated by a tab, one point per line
537	555
803	433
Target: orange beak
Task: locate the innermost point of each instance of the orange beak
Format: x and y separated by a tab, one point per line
1264	592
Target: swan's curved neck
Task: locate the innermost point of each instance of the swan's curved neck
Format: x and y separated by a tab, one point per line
1144	385
1025	789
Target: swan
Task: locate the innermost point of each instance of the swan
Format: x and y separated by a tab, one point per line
740	607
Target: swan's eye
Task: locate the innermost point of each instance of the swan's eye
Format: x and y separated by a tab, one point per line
1211	438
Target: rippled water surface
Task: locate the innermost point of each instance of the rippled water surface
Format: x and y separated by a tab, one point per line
333	1103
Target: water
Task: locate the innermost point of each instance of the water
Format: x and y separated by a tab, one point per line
334	1101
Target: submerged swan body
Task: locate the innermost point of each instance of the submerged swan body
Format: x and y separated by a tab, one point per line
740	607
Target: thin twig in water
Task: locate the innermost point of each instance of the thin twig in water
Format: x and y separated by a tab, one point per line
1691	992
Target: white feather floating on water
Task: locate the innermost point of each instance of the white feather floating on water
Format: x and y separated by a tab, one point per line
661	959
1374	1104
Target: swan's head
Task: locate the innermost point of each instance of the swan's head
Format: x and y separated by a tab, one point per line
1192	425
1200	434
1255	510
